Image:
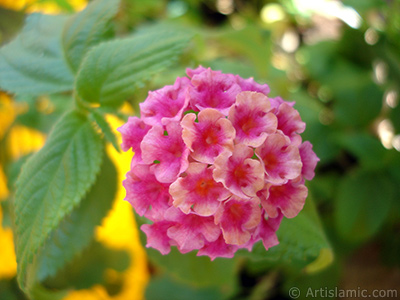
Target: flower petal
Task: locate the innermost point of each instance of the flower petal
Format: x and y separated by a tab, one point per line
288	198
237	218
191	231
198	192
239	173
209	137
280	159
218	248
157	237
132	133
309	159
252	86
148	196
213	89
168	150
166	104
251	118
289	120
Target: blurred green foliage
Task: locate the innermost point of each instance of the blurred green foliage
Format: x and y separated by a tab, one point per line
345	82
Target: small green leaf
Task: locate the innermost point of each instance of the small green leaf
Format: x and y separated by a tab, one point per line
75	232
362	204
52	182
105	128
86	29
33	63
109	78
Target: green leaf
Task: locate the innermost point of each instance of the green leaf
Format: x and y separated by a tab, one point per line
362	204
198	271
90	267
301	240
86	29
108	78
75	232
39	292
365	147
251	43
52	182
33	62
105	128
165	288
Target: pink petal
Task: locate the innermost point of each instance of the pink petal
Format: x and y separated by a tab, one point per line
288	198
209	137
197	191
198	70
157	236
289	120
277	101
169	150
309	159
132	133
147	196
280	159
239	173
213	89
191	231
218	248
238	218
166	104
251	118
252	86
266	230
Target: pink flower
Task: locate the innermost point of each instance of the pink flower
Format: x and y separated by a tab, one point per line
239	173
280	159
198	70
251	118
252	86
289	198
266	230
165	147
218	248
277	101
147	195
209	137
191	231
157	237
198	192
166	104
289	120
217	164
238	218
213	89
132	134
309	159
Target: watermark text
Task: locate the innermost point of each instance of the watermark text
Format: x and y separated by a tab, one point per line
326	292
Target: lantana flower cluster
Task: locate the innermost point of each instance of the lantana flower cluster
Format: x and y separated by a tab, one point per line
217	164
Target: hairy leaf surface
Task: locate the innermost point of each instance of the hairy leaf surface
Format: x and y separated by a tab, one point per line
113	70
52	182
33	63
76	230
86	29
